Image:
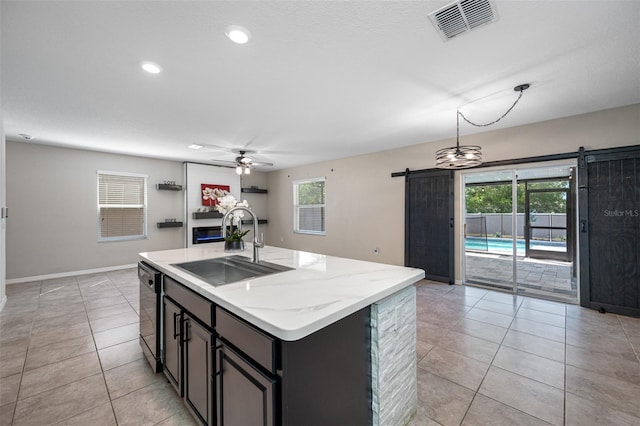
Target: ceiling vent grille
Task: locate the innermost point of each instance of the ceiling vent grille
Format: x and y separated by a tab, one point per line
463	16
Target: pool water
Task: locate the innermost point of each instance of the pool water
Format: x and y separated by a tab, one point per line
505	245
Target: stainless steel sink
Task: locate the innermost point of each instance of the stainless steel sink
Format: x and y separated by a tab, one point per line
230	269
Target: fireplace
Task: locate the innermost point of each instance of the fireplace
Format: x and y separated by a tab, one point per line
207	234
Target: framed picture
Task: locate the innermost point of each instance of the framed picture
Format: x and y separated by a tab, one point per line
211	193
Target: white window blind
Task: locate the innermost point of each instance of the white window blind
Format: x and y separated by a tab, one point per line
309	206
122	206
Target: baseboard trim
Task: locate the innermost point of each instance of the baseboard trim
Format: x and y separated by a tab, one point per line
69	274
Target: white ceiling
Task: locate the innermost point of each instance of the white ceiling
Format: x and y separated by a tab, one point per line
317	81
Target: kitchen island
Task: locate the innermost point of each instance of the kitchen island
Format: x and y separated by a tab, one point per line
312	337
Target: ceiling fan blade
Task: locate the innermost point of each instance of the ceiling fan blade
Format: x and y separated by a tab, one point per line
210	147
260	163
223	163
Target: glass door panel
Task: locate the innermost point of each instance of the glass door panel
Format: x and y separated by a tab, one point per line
545	269
546	224
489	229
519	231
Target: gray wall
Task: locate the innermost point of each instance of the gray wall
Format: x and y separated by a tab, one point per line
365	205
53	199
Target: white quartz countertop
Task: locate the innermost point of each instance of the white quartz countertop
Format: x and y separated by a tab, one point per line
291	305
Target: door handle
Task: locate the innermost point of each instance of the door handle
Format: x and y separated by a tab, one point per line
583	225
175	328
187	330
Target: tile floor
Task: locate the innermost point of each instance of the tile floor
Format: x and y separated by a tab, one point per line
69	355
491	358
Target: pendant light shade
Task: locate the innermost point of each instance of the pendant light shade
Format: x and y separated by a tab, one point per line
459	157
466	156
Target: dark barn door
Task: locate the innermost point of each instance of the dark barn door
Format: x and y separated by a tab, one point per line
609	230
429	223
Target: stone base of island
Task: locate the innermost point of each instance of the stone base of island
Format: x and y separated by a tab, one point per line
329	342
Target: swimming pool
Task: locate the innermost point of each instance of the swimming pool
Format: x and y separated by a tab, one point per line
505	245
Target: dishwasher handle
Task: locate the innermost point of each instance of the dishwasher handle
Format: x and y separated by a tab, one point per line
147	276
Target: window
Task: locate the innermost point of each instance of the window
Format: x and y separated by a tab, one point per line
309	206
122	206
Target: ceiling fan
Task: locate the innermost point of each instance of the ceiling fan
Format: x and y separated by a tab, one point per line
242	163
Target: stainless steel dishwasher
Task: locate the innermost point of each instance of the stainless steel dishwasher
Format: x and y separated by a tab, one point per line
150	322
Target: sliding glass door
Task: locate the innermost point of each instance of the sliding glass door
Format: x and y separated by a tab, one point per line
489	229
519	231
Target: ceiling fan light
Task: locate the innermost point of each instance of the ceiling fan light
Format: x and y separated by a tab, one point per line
247	171
239	170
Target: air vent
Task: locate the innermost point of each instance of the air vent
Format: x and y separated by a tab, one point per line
463	16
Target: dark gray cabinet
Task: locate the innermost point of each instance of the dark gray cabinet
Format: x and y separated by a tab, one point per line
188	355
246	379
198	363
245	395
253	378
172	348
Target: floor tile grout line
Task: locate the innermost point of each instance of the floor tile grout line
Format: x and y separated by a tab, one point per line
57	387
529	378
26	354
491	364
514	408
104	378
476	392
586	398
33	320
30	332
626	334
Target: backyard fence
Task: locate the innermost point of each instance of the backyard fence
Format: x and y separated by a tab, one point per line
500	225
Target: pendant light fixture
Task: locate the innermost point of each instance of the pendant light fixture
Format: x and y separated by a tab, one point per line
466	156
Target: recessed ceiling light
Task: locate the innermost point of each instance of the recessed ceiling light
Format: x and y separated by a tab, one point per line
195	146
151	67
238	34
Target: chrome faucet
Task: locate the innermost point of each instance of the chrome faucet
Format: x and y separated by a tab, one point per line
256	243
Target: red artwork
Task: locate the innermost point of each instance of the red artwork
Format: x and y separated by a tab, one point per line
210	193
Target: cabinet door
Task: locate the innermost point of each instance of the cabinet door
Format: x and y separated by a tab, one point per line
171	335
198	371
245	396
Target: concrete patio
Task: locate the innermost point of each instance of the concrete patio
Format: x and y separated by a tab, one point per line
543	278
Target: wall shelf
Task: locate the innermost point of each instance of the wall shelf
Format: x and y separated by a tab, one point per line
254	190
207	215
168	187
250	222
169	224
